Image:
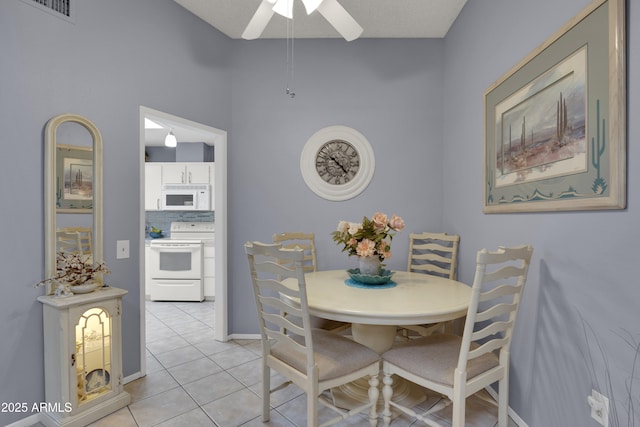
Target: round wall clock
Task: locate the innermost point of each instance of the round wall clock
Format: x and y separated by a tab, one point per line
337	163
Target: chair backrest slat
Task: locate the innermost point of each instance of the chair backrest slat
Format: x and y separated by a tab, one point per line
499	291
492	329
432	269
277	269
497	288
276	285
279	305
502	273
495	311
434	253
283	323
488	347
285	340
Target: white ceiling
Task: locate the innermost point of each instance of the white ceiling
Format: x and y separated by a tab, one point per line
378	18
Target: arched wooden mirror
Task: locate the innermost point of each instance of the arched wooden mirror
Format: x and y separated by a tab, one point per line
72	188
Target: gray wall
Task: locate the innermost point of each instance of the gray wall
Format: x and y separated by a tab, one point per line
428	149
389	90
117	56
579	320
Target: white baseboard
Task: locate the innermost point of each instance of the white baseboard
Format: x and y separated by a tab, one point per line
28	421
84	418
244	337
515	417
132	377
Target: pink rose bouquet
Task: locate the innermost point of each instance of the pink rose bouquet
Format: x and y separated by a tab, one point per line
371	237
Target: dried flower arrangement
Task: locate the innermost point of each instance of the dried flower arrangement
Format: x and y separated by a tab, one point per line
74	269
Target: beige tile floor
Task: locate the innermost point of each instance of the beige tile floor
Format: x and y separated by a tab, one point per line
193	380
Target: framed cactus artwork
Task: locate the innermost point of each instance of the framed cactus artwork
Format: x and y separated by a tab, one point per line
555	124
74	179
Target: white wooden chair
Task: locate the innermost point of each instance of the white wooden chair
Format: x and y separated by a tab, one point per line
458	367
313	359
435	254
304	241
74	240
307	242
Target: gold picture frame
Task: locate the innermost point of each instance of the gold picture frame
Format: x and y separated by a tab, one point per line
555	124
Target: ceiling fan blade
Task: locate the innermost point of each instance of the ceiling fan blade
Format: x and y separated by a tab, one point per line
340	19
259	21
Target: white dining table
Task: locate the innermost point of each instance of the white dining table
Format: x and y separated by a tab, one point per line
376	311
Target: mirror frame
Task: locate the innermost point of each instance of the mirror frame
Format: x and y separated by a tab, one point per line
50	210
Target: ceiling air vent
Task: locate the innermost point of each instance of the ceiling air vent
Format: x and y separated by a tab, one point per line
61	8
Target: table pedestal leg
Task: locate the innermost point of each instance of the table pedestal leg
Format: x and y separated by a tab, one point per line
380	338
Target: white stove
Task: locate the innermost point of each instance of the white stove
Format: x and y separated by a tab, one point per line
181	267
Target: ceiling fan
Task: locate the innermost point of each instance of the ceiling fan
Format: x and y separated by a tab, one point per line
332	11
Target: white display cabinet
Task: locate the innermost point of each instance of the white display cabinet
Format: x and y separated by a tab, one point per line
83	356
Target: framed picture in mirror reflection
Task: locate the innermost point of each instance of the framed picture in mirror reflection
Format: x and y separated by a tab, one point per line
74	179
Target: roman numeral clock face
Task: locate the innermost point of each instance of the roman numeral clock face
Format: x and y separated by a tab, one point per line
337	163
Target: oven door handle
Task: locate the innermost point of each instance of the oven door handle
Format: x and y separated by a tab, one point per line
175	245
176	249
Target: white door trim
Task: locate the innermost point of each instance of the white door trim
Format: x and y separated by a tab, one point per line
220	304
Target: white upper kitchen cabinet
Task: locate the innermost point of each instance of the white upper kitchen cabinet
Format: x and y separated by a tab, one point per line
186	173
152	186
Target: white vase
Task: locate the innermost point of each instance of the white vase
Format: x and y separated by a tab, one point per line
369	265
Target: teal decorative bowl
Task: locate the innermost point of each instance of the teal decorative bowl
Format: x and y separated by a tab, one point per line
383	277
154	235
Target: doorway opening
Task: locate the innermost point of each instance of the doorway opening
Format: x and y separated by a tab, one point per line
218	139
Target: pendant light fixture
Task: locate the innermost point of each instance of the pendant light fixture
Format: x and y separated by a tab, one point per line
170	140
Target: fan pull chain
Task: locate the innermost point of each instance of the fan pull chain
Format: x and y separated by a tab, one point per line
290	38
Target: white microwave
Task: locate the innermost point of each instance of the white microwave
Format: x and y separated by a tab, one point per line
186	197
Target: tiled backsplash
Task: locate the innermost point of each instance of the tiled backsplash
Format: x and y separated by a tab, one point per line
163	219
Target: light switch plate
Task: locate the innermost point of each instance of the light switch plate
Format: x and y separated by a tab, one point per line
599	404
122	247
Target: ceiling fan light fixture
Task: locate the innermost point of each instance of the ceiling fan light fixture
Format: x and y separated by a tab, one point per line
311	5
170	140
284	8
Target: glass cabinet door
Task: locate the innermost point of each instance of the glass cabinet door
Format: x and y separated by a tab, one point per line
93	354
95	370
